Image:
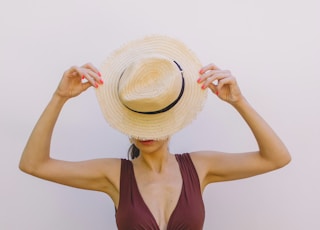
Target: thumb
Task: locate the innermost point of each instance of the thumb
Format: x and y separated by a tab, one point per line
86	85
214	88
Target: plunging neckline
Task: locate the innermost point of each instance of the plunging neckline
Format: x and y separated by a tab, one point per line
146	206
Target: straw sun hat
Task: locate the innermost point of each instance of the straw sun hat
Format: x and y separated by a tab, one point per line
150	88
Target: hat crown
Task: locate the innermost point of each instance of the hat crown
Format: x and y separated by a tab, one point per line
147	75
150	84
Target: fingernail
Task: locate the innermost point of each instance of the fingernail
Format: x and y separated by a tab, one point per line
101	81
217	92
96	85
203	87
199	80
201	71
99	74
82	77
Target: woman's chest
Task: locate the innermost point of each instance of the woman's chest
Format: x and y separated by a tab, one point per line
160	195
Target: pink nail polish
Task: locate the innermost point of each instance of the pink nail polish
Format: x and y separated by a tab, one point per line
203	87
99	74
199	80
217	92
101	81
96	85
82	77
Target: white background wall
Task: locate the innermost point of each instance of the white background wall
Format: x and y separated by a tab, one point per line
272	47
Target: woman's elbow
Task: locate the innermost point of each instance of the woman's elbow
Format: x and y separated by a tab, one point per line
25	167
284	160
29	166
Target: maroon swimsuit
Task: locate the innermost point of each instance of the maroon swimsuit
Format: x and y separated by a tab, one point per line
133	213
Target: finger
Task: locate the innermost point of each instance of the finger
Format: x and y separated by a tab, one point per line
213	77
213	89
210	73
86	85
215	73
211	66
92	77
226	81
92	68
73	71
93	73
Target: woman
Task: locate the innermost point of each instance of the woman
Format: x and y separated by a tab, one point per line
157	189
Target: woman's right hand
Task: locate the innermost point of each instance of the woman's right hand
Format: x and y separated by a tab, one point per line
72	83
99	174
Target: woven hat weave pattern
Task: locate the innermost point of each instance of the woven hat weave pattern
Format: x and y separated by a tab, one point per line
150	88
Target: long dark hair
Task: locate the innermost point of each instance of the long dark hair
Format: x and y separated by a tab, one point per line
133	151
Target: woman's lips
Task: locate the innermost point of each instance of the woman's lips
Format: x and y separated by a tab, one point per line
146	142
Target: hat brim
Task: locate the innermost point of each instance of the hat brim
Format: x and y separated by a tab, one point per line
150	126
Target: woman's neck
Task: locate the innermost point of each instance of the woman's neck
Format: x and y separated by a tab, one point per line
155	161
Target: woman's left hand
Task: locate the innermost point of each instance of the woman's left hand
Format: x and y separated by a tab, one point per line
221	82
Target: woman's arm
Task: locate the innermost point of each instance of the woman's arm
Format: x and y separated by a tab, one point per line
100	174
217	166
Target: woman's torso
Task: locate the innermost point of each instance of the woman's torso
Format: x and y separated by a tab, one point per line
173	201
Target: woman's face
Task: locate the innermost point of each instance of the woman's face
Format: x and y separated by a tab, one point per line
149	146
